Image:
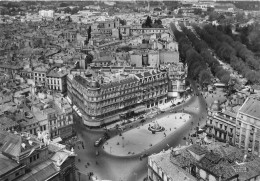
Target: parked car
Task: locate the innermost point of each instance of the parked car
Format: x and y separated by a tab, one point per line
142	121
106	136
98	142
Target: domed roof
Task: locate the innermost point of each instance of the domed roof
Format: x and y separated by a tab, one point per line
215	106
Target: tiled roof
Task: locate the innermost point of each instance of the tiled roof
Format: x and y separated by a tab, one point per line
42	171
6	122
219	160
57	73
11	144
147	74
40	69
6	164
198	150
171	170
251	107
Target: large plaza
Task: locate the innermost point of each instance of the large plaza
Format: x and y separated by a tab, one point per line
140	139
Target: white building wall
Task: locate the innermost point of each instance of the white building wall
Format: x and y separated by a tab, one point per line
153	59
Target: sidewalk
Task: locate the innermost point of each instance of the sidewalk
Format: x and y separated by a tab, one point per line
167	105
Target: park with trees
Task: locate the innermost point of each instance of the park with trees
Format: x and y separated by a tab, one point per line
232	52
197	67
149	23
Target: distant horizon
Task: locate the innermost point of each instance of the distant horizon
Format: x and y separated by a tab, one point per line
134	0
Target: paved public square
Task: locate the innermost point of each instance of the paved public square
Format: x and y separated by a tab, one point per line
140	139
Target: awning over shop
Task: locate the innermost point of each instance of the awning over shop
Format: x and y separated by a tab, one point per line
140	109
57	140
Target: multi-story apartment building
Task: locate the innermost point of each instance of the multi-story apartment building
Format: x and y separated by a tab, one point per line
39	75
177	74
51	117
248	126
108	24
102	98
70	35
56	80
46	13
129	31
221	124
12	69
26	157
213	162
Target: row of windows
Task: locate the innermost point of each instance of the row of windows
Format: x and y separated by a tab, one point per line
34	157
38	74
221	126
53	81
39	79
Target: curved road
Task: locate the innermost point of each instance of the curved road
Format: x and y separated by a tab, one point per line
131	168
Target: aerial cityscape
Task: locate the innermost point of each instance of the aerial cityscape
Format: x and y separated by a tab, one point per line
130	90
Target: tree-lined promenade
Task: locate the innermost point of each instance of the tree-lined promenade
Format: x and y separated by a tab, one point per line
232	52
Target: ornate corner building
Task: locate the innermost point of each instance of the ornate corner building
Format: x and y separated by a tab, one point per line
104	97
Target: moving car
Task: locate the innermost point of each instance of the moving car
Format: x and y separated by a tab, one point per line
98	142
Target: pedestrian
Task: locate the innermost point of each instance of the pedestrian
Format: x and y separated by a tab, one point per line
170	129
78	147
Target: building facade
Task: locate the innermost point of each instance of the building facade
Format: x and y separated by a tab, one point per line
46	13
26	157
177	73
56	80
102	99
50	117
221	124
212	162
39	75
248	126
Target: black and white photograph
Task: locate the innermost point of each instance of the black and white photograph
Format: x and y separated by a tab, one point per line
130	90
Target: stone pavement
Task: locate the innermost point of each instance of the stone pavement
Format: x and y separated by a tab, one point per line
140	139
